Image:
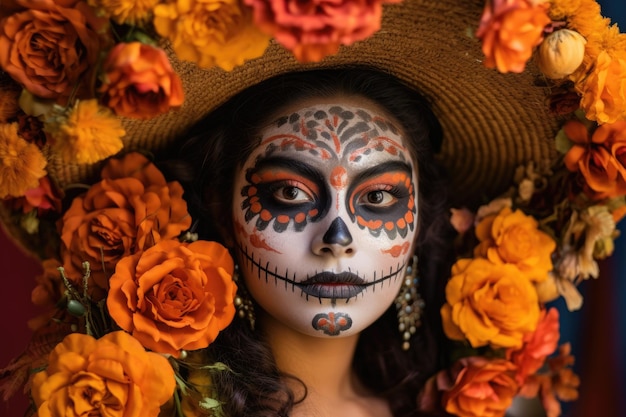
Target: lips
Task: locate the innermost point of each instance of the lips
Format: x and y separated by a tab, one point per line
329	285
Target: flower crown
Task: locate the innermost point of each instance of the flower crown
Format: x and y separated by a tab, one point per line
70	69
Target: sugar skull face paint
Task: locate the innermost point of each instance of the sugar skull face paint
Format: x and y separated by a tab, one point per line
325	215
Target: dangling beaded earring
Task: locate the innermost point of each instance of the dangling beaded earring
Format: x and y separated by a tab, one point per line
243	303
409	305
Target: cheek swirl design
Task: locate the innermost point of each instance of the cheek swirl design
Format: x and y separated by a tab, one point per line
332	323
319	285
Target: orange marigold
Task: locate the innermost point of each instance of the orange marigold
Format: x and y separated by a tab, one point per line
21	163
509	30
211	32
88	134
603	91
489	304
111	376
514	237
125	11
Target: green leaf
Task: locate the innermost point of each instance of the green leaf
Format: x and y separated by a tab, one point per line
209	404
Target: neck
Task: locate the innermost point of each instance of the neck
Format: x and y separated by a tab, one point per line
323	364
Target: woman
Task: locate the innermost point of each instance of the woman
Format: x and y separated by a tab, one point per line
141	305
383	128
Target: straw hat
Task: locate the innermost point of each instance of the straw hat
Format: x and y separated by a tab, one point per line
492	122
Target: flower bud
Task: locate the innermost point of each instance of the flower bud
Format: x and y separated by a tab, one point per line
561	53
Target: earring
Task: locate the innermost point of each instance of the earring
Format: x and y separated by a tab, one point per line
243	302
409	305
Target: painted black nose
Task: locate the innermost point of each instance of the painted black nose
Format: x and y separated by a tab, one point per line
337	233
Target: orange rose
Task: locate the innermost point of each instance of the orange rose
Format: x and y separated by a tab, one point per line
483	388
139	81
131	209
604	89
509	30
513	237
489	303
538	345
174	296
600	159
113	375
49	46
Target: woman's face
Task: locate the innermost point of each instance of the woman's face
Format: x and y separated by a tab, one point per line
325	215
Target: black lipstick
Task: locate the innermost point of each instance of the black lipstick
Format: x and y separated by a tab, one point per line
330	285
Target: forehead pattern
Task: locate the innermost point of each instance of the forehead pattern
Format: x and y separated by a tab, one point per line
338	131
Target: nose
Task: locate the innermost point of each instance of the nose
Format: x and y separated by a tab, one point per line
337	240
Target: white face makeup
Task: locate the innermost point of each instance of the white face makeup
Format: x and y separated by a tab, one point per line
325	217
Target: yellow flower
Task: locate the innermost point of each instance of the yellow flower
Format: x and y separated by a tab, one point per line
489	303
513	237
229	40
87	134
124	11
21	163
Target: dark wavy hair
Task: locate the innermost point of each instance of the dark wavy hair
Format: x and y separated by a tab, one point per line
206	165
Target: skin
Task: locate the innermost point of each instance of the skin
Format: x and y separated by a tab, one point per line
339	180
325	217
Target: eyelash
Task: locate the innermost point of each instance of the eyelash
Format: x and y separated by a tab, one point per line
276	186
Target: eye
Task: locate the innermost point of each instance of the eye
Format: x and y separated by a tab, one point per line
378	199
291	194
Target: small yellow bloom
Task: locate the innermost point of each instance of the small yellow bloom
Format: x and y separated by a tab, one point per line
87	134
21	163
131	12
229	40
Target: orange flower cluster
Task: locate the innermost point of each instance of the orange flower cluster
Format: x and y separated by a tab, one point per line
491	299
492	303
130	210
113	375
166	296
599	157
509	30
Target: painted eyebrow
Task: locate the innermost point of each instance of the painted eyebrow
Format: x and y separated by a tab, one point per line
383	168
293	165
